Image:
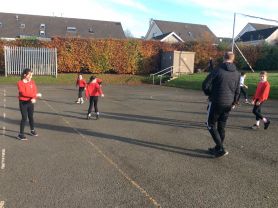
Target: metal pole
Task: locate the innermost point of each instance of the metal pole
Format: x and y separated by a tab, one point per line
234	32
244	58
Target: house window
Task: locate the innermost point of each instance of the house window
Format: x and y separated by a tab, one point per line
22	26
42	33
154	34
91	30
71	29
251	37
42	26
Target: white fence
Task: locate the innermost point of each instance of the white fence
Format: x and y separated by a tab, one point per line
42	61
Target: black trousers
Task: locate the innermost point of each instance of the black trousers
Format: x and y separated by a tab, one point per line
257	111
243	91
93	102
27	110
80	91
217	119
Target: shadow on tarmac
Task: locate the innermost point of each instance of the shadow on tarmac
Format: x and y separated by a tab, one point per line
199	153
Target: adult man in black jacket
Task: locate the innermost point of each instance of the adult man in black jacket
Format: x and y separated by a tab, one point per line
223	88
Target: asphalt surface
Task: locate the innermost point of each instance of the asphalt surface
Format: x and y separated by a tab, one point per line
148	149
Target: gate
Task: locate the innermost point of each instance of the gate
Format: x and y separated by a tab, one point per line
42	61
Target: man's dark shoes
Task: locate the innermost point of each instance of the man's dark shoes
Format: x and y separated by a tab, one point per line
34	133
220	153
21	137
266	124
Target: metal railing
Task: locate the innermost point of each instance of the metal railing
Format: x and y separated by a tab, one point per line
42	61
161	73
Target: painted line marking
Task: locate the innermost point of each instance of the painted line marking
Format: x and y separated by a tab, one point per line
109	160
3	159
2	203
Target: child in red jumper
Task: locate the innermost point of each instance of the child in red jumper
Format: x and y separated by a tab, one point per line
261	95
93	91
27	97
81	83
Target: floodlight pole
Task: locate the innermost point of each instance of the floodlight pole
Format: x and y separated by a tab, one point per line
233	44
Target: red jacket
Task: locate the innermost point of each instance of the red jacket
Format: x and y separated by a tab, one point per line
26	91
81	83
93	89
262	91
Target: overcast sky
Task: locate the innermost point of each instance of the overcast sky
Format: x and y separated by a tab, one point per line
135	15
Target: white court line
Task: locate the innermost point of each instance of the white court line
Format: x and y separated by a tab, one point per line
3	159
109	160
2	203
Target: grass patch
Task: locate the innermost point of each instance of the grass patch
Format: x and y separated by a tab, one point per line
194	81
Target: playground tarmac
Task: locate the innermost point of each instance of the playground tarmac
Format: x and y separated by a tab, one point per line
148	149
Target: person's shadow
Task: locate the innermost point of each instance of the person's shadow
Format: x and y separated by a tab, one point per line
199	153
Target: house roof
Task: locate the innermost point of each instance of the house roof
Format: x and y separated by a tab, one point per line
187	31
257	34
164	36
261	26
11	26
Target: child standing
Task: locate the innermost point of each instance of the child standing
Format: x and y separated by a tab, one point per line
243	87
261	95
93	91
81	83
27	91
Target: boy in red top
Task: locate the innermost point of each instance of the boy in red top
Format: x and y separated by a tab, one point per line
93	91
27	97
261	95
81	83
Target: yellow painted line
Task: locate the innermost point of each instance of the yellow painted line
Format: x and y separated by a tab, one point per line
109	160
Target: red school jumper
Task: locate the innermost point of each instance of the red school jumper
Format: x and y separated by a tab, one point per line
262	92
27	91
81	83
93	89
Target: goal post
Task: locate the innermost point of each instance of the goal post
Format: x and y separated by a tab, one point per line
234	45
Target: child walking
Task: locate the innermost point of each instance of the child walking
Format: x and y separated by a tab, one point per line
27	95
261	95
243	87
81	83
93	91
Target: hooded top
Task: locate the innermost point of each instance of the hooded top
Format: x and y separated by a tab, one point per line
224	84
